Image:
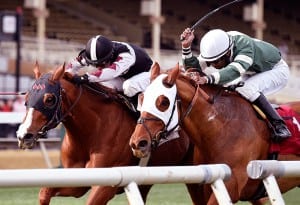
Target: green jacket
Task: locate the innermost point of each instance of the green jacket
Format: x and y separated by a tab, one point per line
249	56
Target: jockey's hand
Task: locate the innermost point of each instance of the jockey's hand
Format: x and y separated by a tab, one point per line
77	63
77	79
202	80
197	78
74	66
187	38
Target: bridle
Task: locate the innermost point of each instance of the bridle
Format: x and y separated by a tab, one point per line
161	134
165	132
58	116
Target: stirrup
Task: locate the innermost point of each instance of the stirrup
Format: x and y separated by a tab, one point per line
280	133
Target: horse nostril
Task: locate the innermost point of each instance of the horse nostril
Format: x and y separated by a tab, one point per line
132	145
143	143
28	136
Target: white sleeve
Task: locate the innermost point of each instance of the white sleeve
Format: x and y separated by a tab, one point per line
117	68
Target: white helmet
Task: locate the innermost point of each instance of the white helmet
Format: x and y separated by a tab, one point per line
214	45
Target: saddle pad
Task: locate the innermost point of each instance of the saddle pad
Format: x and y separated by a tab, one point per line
292	144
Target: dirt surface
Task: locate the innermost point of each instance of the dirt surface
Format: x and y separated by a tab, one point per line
27	159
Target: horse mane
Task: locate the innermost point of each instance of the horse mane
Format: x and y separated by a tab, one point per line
95	88
107	94
212	89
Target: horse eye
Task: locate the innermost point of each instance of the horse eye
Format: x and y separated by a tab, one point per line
165	102
162	103
49	100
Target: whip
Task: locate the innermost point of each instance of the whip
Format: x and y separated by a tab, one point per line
211	13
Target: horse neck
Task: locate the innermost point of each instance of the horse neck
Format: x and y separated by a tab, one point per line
206	119
200	109
94	114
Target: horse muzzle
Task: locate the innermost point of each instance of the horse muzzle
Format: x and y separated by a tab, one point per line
28	141
141	148
140	153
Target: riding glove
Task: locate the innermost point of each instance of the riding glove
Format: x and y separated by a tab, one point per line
77	79
77	63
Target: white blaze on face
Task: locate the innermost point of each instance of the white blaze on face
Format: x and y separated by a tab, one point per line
153	91
26	124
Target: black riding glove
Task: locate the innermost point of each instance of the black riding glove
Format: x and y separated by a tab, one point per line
80	79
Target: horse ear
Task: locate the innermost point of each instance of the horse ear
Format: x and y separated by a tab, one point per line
36	70
170	80
140	101
155	71
59	72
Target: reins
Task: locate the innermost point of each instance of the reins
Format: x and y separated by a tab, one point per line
98	91
193	101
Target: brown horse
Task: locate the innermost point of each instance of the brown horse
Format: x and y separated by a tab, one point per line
98	129
223	126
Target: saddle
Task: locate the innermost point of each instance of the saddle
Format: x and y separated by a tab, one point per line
290	145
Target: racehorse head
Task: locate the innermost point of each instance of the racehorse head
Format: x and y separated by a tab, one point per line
43	102
159	112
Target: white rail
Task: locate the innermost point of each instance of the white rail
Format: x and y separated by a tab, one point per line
11	117
129	177
269	170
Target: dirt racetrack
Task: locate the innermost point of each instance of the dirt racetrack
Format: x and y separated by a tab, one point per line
27	159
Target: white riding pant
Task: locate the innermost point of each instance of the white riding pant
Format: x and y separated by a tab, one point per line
131	86
267	82
136	84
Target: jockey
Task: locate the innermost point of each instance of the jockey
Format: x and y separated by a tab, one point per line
233	55
119	65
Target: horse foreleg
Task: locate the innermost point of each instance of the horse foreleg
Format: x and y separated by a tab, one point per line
232	189
261	201
196	193
46	193
100	195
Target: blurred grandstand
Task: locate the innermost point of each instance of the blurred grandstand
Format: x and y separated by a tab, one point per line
71	23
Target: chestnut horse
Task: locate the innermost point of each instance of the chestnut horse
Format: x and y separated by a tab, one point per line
223	126
98	129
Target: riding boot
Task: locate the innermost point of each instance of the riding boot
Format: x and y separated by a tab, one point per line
280	129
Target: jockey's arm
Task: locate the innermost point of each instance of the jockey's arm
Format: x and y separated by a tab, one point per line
189	60
116	69
76	64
